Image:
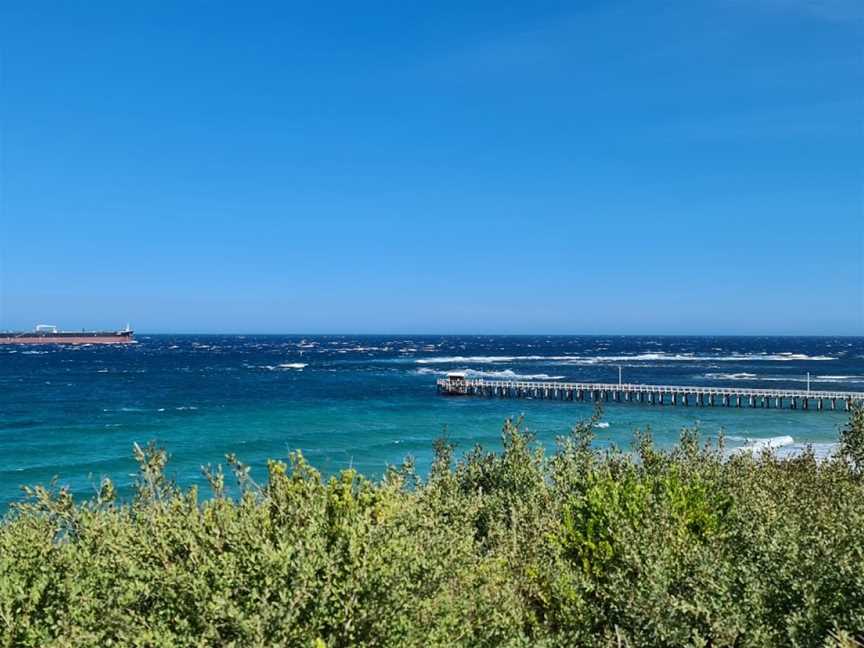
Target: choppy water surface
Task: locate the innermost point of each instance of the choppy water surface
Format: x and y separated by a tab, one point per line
367	401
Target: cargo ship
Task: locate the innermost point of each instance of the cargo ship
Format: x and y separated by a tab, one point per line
50	334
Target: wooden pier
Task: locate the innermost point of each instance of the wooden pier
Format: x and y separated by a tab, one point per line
458	385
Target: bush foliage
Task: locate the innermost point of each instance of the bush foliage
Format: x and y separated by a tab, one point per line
683	547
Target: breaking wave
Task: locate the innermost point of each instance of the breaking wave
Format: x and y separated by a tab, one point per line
814	380
284	366
732	376
638	357
758	445
506	374
783	446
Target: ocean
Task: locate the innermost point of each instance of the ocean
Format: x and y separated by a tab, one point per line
369	401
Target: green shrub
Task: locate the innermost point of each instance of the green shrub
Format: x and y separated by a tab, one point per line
852	438
689	546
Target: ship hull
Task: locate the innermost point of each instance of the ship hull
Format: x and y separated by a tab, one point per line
67	338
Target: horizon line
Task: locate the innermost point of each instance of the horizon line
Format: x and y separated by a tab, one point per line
433	334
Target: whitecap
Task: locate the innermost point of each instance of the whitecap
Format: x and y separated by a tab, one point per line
637	357
814	379
284	366
743	375
505	374
462	359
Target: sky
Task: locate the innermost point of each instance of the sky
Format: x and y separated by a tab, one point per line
671	167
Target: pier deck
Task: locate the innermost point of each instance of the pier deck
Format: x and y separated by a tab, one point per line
456	385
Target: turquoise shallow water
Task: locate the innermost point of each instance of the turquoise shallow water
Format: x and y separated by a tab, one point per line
369	401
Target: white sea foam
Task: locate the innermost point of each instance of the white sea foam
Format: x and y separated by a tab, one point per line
732	376
363	349
638	357
783	446
601	424
758	445
284	366
814	379
505	374
462	359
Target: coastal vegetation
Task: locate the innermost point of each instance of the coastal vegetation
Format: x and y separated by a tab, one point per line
688	546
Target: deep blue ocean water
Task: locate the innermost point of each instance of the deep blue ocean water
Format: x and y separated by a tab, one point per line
368	401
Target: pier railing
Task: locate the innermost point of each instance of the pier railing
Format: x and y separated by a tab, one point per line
651	394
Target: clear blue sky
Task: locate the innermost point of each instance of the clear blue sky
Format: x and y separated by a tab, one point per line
588	167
